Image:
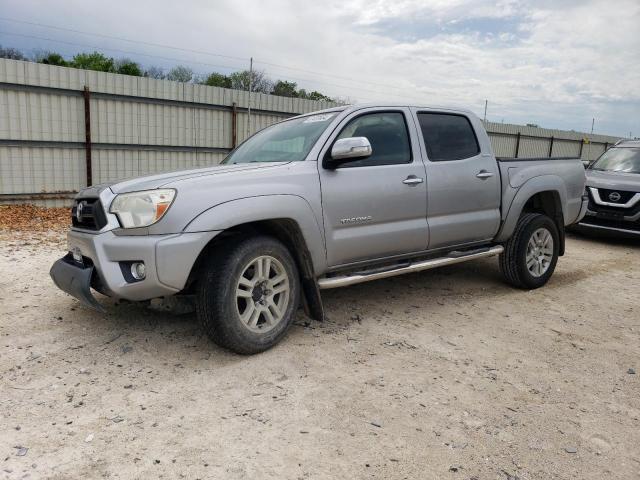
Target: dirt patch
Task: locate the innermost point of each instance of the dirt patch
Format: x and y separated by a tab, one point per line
33	218
23	225
447	374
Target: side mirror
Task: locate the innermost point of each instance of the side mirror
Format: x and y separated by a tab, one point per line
349	149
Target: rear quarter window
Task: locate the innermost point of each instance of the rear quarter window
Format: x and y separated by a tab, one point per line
448	136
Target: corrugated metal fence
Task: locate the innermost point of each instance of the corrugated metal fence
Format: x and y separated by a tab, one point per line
527	142
64	128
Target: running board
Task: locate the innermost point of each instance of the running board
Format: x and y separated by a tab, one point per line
453	257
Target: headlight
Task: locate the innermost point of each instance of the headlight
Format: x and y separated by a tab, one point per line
141	209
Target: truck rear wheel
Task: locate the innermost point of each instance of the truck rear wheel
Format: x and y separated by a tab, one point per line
531	254
248	294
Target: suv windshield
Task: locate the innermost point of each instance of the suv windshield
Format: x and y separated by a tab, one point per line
619	159
288	141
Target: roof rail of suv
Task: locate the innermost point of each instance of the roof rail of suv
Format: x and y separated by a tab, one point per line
627	143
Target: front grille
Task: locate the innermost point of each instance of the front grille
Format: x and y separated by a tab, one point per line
605	209
91	217
624	196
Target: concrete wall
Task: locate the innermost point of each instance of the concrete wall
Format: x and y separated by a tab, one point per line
142	125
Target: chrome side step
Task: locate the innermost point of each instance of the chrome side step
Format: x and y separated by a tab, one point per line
454	257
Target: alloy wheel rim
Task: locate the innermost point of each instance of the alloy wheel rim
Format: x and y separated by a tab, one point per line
539	252
262	294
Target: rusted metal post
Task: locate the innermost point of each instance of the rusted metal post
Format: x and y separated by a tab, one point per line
551	147
87	133
581	145
234	125
517	144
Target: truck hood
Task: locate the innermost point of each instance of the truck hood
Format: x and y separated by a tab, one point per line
613	180
157	181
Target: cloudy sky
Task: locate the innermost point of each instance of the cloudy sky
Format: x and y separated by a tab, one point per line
553	63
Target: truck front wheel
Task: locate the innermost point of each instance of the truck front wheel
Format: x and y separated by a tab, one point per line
531	254
248	294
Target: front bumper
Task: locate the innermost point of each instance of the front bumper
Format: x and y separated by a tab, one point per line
620	229
616	218
75	280
168	260
624	225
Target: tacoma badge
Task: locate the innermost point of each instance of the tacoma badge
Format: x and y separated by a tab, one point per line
344	221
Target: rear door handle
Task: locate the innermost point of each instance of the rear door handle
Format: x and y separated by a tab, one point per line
484	174
412	180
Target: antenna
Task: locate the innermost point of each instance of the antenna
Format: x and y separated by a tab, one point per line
250	91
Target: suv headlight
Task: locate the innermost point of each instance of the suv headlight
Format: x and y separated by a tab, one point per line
141	209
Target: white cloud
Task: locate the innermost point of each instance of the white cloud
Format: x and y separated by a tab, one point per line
369	12
554	63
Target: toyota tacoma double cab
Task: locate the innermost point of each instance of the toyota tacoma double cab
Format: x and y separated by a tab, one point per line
613	186
323	200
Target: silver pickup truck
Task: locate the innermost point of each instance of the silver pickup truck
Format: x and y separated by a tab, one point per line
318	201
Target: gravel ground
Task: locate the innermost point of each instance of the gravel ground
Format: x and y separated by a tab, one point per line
447	374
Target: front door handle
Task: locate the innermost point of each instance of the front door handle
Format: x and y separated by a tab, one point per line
483	174
412	180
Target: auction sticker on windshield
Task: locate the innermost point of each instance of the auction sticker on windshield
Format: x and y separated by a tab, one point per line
319	118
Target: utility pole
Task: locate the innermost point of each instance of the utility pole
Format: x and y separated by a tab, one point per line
593	121
250	91
485	110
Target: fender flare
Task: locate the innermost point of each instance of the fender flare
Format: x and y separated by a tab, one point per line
266	207
533	186
247	210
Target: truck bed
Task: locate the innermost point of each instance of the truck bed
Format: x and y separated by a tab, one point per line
562	174
534	159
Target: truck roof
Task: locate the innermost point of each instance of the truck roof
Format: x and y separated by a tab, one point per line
359	106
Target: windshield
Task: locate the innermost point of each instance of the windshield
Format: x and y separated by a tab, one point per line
620	159
288	141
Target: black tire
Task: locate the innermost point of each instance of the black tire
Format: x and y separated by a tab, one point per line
218	307
513	261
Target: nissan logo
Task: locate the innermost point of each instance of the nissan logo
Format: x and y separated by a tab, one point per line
80	207
615	196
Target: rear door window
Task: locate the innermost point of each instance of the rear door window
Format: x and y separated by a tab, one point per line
448	136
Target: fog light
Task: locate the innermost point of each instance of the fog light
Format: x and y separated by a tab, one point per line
138	270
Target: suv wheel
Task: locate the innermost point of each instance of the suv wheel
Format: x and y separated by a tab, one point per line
248	294
531	254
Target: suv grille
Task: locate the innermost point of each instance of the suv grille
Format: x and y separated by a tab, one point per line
625	196
88	214
622	197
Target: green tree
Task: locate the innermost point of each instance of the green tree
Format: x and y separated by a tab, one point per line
216	79
259	81
126	66
155	72
180	74
52	58
285	89
94	61
11	53
317	96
